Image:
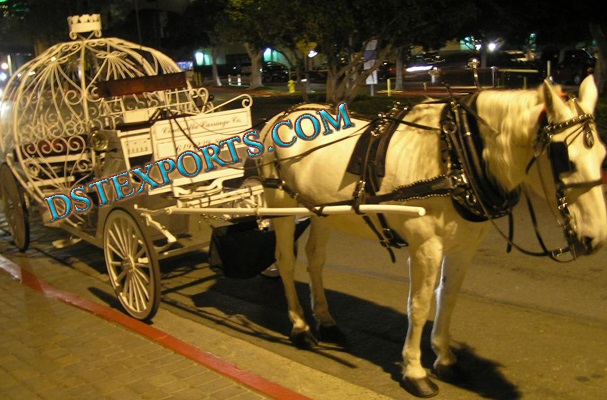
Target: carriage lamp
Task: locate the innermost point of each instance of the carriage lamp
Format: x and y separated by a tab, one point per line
99	141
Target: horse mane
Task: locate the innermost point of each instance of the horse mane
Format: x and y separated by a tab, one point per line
513	116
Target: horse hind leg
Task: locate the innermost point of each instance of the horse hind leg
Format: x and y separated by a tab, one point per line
316	250
301	335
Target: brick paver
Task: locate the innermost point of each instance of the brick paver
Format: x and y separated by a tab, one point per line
51	350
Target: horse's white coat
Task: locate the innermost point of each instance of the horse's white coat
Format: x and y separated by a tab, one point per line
441	243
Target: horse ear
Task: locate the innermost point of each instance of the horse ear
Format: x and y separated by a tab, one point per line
588	94
555	107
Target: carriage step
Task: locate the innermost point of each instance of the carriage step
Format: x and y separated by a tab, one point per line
62	243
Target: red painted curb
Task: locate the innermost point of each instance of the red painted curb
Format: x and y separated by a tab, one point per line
207	359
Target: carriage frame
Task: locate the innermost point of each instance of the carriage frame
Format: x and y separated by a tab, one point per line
94	113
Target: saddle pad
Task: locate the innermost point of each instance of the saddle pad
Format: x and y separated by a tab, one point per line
377	150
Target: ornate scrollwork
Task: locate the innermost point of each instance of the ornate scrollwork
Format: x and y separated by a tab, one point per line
55	103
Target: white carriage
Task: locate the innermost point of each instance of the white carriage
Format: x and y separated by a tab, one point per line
109	142
78	119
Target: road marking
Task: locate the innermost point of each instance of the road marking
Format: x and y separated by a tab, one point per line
205	358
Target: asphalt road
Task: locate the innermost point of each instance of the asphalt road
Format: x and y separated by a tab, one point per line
523	328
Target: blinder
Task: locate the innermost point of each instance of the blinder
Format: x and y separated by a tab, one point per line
558	154
559	158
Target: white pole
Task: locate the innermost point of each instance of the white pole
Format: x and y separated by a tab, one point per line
302	211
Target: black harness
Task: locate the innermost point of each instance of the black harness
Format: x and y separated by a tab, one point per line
477	198
475	195
560	164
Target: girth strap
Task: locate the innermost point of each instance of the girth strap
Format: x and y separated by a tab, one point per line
372	169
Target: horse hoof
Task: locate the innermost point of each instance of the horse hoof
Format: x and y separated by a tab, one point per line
303	340
331	334
420	387
449	373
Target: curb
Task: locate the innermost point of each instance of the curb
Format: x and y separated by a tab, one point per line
204	358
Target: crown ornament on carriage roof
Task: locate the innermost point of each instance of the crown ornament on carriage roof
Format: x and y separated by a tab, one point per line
84	23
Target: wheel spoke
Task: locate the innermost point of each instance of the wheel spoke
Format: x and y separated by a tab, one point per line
132	268
121	275
121	236
130	292
140	291
14	207
143	276
116	239
117	252
141	252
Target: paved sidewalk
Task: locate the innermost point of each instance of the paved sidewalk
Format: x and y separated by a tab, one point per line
52	350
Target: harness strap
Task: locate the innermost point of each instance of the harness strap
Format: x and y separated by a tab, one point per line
383	240
369	184
277	183
439	186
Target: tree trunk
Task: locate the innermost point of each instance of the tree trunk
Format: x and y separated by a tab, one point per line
256	60
214	55
398	85
600	70
345	83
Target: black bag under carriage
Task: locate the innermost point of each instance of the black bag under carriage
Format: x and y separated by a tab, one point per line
242	250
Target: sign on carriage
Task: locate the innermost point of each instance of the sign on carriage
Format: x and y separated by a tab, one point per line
191	150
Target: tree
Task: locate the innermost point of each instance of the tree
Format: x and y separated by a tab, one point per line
44	22
199	27
553	25
246	21
598	33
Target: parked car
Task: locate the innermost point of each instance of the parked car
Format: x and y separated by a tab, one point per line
456	70
387	70
573	66
418	68
274	72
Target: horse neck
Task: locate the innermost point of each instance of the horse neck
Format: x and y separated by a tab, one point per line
513	118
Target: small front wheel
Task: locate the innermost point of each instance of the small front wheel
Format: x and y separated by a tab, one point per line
15	208
132	265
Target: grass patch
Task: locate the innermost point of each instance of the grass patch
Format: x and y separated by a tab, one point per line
369	106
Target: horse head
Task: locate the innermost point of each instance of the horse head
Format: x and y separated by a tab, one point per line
568	159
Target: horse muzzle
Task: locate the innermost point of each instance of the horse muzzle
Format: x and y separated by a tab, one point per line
588	245
582	246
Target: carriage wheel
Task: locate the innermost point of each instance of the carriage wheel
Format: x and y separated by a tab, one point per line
15	208
132	265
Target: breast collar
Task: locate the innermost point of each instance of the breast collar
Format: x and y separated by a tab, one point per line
477	197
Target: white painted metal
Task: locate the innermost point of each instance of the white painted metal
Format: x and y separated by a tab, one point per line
51	106
302	211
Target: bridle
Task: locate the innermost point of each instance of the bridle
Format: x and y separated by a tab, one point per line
558	154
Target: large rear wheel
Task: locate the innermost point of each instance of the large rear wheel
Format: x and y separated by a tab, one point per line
132	264
15	208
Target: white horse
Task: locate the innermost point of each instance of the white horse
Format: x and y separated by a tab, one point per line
518	129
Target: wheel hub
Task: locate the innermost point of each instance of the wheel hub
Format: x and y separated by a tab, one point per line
128	265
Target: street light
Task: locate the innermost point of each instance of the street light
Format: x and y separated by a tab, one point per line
199	57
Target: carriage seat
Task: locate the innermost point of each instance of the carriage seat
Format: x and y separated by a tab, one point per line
138	100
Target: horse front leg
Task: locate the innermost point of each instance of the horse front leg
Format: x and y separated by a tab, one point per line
454	268
424	263
453	272
316	250
301	335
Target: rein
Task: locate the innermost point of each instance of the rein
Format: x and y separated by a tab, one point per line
560	164
474	194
